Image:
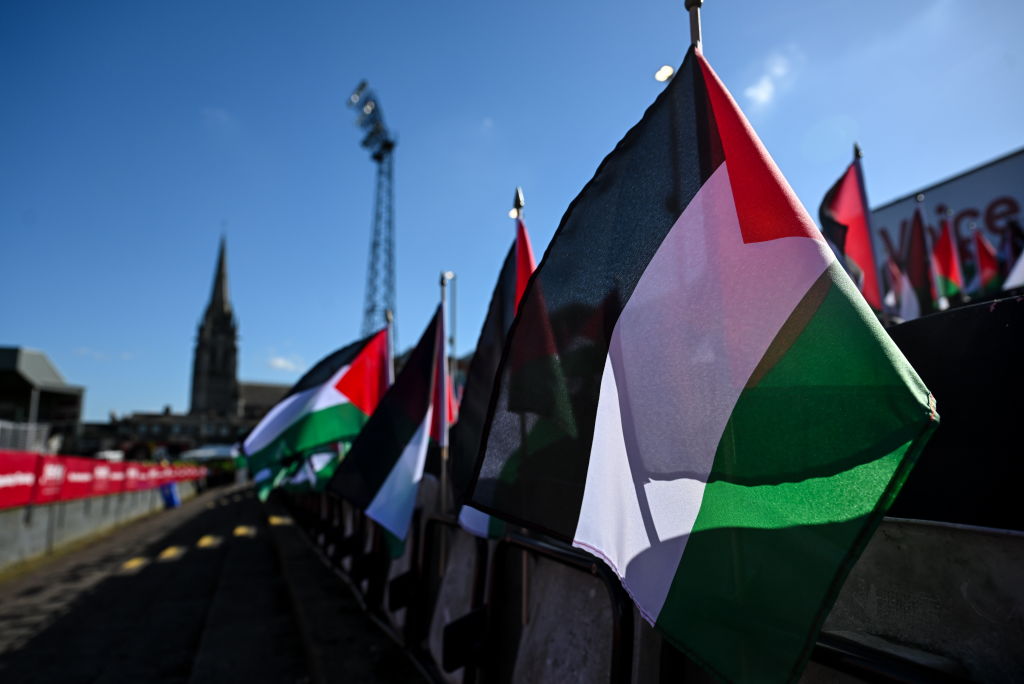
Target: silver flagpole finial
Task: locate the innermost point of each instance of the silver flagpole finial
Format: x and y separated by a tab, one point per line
518	202
693	7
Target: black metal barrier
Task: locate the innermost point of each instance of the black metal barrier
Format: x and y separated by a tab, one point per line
870	664
485	641
475	641
496	664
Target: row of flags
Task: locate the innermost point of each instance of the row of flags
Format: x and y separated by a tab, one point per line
689	386
930	273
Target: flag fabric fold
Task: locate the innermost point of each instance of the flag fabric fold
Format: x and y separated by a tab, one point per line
733	421
330	403
382	470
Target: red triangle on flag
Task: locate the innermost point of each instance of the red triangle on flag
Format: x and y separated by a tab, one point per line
367	377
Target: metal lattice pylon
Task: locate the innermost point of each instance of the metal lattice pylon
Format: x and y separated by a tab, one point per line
380	273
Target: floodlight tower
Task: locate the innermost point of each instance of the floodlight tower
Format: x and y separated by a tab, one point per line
380	274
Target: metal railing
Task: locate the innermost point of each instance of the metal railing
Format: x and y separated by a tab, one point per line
24	436
480	640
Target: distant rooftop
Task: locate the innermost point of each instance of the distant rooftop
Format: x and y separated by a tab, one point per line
261	393
36	369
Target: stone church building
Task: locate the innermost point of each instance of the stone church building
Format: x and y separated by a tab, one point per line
215	392
222	408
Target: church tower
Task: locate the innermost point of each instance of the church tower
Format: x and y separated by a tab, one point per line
215	366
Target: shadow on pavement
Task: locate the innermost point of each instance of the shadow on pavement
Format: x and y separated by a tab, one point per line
201	602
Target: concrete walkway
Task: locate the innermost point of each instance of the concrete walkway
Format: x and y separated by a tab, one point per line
196	594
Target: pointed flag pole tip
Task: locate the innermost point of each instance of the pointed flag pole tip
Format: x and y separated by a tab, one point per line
518	202
693	7
857	154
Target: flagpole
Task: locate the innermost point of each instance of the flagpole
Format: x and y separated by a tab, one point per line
441	390
390	318
518	202
452	358
693	7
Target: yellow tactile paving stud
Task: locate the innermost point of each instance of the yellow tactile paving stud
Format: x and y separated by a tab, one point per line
171	553
133	565
245	531
209	541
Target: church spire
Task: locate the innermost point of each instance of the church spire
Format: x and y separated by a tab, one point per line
215	365
219	301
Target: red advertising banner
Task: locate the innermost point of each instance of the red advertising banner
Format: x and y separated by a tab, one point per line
28	478
78	478
134	477
156	475
49	479
103	482
17	478
117	477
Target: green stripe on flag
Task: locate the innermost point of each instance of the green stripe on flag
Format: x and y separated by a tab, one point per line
335	423
945	286
812	457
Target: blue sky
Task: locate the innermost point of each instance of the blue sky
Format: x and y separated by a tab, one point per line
132	134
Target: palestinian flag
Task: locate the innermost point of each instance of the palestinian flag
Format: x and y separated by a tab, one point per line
382	471
740	420
900	300
314	471
845	221
273	476
515	273
330	403
986	265
946	263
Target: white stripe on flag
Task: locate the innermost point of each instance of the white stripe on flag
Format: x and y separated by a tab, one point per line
701	317
910	308
393	504
474	521
320	460
290	409
1016	276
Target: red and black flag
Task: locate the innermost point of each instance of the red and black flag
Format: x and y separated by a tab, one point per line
845	221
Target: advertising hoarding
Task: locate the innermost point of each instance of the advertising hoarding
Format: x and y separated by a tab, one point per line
18	471
989	198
